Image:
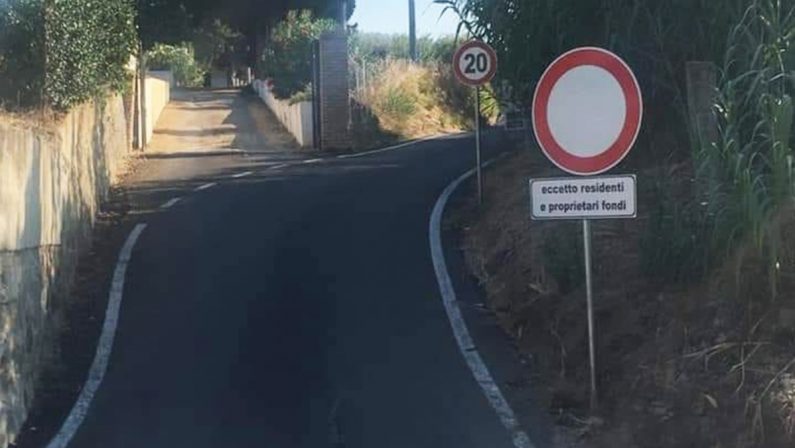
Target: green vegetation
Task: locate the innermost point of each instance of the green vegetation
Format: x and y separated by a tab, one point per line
744	178
712	317
415	100
62	53
180	59
374	47
411	100
287	58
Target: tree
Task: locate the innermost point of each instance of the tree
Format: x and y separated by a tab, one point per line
287	56
175	21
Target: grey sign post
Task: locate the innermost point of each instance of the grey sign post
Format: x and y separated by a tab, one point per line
475	64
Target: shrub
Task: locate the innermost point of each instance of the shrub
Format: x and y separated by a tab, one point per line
62	52
180	59
87	47
21	53
287	58
413	100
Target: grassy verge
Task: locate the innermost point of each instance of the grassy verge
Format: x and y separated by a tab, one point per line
678	365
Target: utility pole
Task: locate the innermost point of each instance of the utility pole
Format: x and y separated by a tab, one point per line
412	31
343	13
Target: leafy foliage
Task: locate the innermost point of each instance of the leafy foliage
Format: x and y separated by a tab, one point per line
217	44
746	177
63	52
287	58
21	53
656	37
180	60
87	47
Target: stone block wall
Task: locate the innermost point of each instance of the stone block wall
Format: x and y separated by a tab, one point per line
53	177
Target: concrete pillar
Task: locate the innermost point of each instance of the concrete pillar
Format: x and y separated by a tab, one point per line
334	100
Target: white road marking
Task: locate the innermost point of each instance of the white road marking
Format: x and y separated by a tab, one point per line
278	167
312	161
465	343
403	145
206	186
242	175
170	203
100	364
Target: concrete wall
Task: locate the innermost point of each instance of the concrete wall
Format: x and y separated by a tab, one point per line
52	180
158	94
297	118
164	75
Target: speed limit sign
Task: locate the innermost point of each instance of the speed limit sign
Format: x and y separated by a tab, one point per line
475	63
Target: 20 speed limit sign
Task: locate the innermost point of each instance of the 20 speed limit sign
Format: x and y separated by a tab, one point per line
475	63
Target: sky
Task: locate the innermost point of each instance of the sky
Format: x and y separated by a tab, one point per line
392	16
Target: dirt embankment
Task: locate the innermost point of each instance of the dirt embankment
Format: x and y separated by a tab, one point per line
678	365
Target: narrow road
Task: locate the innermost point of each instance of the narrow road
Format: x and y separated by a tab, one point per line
294	307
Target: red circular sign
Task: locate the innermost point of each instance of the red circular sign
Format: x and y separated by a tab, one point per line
475	63
587	111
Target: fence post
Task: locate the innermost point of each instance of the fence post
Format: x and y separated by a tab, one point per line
701	97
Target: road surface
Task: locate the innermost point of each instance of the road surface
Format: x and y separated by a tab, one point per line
295	306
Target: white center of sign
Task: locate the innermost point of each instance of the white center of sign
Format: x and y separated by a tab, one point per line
586	111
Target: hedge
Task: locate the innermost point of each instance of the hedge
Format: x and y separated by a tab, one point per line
59	53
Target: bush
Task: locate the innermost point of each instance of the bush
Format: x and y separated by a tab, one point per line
21	53
180	59
417	100
60	53
287	58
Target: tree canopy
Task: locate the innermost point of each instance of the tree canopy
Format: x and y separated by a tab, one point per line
173	21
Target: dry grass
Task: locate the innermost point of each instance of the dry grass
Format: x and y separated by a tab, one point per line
678	365
413	100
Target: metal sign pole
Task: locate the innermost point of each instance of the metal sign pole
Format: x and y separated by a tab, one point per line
586	235
477	145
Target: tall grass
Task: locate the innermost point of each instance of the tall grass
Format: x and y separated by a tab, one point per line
746	177
415	100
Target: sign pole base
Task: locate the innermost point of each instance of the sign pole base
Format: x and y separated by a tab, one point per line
586	234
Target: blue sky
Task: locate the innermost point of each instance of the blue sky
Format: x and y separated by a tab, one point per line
392	16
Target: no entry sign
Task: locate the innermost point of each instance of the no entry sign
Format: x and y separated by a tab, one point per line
475	63
587	111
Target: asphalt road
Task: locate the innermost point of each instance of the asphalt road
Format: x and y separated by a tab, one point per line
294	307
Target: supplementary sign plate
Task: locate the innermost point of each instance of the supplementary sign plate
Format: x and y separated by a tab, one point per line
584	198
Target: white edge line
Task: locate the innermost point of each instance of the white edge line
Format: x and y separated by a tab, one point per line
280	166
206	186
242	175
465	343
403	145
100	364
312	161
170	203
